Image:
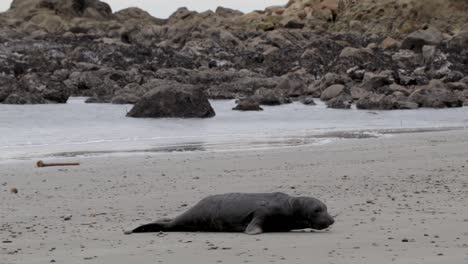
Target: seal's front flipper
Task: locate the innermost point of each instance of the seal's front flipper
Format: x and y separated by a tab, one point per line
255	226
150	228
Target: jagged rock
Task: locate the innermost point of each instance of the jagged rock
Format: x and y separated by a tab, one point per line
228	12
248	104
294	24
436	95
356	73
407	59
342	101
453	76
183	101
330	79
374	82
7	86
416	40
23	98
459	41
82	46
358	93
125	98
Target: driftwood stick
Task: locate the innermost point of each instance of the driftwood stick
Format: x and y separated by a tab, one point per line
41	164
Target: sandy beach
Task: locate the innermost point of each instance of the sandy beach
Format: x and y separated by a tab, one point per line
399	199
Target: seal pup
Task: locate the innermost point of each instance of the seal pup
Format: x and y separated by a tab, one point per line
253	213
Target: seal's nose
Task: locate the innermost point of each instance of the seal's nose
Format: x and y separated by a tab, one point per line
332	221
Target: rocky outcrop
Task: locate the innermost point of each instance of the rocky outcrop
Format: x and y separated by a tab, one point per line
182	101
376	54
436	95
33	88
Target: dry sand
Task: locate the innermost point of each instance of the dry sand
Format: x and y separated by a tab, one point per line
409	187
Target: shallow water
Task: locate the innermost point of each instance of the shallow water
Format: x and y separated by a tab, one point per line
77	128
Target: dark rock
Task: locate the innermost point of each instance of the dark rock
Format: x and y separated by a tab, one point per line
23	98
248	104
125	98
227	12
343	101
356	73
459	41
418	39
436	95
374	82
308	101
407	59
412	79
98	100
457	86
184	101
453	76
294	24
7	86
385	102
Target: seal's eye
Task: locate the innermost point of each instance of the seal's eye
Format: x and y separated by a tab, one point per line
318	210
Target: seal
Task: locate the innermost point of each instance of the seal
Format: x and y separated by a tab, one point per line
253	214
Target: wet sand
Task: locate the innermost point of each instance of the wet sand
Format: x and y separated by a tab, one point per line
400	199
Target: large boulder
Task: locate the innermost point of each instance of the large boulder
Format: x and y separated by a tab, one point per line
343	101
332	92
183	101
375	82
416	40
436	95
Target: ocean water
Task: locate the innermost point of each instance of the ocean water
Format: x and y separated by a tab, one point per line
76	128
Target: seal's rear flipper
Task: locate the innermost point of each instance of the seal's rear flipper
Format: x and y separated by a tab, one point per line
150	228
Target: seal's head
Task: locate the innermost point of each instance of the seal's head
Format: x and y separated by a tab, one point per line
312	213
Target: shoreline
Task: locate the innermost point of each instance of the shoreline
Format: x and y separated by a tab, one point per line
387	190
292	140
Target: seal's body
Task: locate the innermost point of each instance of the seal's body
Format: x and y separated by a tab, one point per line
249	213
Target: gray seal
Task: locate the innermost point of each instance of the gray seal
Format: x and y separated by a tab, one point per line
250	213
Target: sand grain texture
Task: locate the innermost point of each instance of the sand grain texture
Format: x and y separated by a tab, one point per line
401	199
